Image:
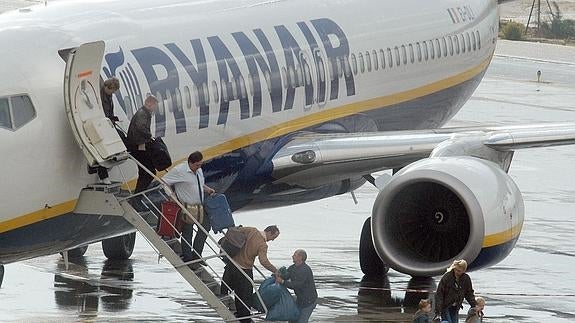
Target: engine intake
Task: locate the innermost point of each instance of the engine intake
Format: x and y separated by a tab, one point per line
439	209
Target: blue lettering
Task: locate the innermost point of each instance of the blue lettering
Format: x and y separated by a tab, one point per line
199	76
326	27
225	60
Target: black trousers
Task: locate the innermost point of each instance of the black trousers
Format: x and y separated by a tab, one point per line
199	241
144	179
241	286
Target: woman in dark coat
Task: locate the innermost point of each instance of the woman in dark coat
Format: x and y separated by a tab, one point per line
454	286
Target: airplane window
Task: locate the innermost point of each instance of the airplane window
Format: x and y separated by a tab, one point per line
178	100
368	61
390	57
478	39
169	102
431	49
268	79
307	74
456	43
425	51
468	41
22	110
206	91
473	41
284	81
361	63
462	41
195	94
299	74
161	106
375	62
339	66
242	85
437	48
419	56
450	43
321	69
225	97
188	96
354	64
404	54
215	92
411	54
5	119
444	46
397	58
382	58
235	89
346	68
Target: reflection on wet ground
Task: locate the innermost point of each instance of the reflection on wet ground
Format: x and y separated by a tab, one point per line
112	291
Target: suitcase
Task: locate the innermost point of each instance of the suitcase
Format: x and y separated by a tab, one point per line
170	212
218	210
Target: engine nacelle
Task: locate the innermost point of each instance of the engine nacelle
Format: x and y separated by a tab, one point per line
440	209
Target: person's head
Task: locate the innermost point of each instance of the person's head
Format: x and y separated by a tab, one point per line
459	267
425	305
299	256
272	232
151	103
195	160
480	303
111	85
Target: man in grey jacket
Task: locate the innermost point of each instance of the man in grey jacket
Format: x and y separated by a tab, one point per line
140	134
300	279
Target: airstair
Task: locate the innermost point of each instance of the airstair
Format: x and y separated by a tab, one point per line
100	143
143	211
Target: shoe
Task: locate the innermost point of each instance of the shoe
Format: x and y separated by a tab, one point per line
106	181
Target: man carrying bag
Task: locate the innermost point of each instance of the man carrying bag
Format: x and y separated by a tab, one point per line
189	184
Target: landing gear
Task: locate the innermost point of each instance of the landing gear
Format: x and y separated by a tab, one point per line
77	252
1	274
119	248
369	261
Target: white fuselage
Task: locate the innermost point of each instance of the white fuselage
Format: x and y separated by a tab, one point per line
338	49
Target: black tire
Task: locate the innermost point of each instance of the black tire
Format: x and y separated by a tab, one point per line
1	274
119	248
369	261
76	252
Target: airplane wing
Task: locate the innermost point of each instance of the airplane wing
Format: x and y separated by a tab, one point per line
312	159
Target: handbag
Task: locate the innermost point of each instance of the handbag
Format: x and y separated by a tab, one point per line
160	156
196	211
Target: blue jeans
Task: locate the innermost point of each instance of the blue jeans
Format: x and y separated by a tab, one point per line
305	313
451	315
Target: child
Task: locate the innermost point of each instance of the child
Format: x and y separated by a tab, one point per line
475	314
422	315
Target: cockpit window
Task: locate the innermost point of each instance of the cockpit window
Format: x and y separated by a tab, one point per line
16	111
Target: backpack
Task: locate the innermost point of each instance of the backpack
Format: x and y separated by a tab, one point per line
233	241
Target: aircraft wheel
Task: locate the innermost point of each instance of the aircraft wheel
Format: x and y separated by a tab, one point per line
77	252
369	261
119	248
1	274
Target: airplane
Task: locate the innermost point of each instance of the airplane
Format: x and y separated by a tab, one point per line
289	101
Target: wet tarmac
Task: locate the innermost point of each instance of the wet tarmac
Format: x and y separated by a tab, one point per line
534	284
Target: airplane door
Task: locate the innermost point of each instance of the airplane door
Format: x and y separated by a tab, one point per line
94	133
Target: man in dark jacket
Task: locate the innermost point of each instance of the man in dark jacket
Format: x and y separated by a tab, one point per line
454	286
139	135
300	279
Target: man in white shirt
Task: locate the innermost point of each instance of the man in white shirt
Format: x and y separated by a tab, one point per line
187	179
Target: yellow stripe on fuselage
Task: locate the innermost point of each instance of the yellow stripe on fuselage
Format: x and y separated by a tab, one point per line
502	237
280	130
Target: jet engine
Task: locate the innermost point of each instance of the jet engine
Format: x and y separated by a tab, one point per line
440	209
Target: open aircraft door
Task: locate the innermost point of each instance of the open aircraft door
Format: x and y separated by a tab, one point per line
95	134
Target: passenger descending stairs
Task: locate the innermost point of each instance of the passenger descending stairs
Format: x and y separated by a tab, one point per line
99	199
